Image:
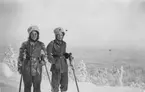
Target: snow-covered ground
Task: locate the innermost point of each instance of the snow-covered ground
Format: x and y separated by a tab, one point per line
5	70
9	81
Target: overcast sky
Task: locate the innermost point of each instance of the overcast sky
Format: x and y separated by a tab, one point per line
111	23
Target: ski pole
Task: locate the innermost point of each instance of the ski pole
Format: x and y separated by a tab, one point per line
70	59
20	83
49	78
22	68
75	79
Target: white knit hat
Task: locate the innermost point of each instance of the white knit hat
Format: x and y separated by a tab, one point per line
31	28
58	30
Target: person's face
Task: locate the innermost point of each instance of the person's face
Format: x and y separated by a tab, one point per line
59	37
34	35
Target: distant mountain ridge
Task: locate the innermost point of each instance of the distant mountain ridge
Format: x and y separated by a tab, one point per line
133	56
115	56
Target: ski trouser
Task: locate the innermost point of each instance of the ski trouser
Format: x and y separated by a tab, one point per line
59	80
29	80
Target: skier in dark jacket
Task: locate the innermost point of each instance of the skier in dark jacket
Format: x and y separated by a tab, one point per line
56	52
32	56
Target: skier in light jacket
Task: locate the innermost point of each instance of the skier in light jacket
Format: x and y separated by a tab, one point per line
57	56
32	54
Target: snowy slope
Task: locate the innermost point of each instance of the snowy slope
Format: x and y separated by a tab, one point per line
84	87
5	70
10	82
89	87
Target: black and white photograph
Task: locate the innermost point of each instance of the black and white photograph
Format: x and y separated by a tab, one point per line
72	45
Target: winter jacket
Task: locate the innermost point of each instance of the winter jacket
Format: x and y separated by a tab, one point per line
55	52
31	57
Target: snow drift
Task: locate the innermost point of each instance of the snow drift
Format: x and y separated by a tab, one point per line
5	70
45	86
89	87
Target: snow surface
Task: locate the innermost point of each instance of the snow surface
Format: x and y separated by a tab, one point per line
89	87
9	81
5	70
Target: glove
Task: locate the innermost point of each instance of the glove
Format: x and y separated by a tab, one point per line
42	63
43	60
20	70
67	55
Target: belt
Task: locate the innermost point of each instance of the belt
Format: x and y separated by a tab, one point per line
57	56
33	58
